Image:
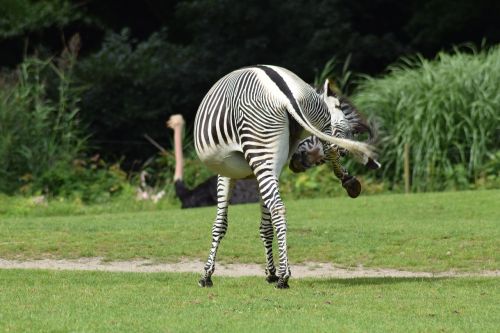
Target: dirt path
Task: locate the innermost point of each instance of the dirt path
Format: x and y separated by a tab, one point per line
193	266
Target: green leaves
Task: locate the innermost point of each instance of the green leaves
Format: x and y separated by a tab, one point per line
19	17
38	130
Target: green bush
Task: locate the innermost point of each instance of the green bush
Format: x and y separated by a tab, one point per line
447	110
38	133
42	141
21	17
89	180
321	182
490	175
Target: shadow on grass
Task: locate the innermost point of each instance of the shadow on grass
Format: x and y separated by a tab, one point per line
373	280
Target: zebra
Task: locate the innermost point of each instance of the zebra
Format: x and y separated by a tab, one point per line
247	125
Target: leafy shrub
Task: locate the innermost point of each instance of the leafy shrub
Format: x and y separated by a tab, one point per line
447	110
89	180
321	182
20	17
38	133
490	174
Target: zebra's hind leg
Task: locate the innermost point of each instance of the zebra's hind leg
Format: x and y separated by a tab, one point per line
267	155
268	185
219	228
267	235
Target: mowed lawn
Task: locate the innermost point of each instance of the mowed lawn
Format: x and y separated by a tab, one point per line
431	232
419	232
66	301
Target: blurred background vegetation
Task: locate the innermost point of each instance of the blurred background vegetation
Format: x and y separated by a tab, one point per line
81	82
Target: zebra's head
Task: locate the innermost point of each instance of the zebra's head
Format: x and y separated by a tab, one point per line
308	154
346	121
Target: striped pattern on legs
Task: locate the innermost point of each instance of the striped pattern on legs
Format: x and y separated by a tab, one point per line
267	236
219	228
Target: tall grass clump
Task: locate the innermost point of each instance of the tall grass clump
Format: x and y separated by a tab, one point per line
39	127
447	110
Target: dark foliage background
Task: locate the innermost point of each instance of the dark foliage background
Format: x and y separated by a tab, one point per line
141	61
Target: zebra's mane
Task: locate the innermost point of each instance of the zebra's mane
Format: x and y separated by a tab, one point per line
356	119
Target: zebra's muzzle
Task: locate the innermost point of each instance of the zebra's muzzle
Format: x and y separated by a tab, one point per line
372	164
299	163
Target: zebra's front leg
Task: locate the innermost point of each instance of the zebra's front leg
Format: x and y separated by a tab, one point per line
267	235
219	228
350	183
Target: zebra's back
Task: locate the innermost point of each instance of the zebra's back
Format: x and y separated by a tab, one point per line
249	94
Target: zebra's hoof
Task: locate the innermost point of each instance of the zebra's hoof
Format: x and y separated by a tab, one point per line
352	186
282	284
272	278
205	282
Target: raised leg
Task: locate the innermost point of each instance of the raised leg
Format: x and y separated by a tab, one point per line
311	152
219	228
267	235
350	183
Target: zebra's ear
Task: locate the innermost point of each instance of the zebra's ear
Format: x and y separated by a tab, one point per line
327	89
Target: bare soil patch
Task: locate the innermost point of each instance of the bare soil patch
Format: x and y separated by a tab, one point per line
303	270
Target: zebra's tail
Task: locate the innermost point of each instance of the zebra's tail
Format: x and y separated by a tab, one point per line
361	149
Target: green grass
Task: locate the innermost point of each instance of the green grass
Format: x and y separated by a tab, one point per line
63	301
436	231
20	206
431	232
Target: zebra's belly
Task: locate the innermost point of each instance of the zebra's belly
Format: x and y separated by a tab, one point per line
226	161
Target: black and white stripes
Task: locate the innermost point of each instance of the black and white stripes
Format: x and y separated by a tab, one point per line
248	125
